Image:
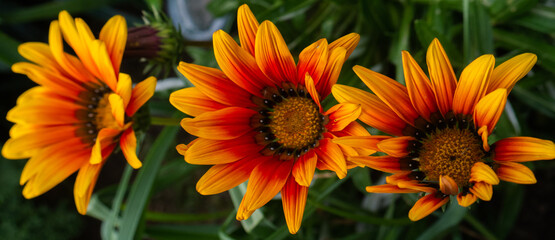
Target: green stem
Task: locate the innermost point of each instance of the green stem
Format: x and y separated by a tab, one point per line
169	217
164	121
479	227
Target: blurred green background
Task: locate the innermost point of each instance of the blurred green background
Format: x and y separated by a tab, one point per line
161	202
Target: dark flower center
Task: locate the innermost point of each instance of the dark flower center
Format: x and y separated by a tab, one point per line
288	123
95	114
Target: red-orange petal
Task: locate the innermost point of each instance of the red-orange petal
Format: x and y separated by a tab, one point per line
426	205
222	177
481	172
523	149
193	102
390	92
364	142
415	185
84	185
272	54
442	76
215	84
389	188
266	180
473	84
304	168
331	73
313	60
381	163
247	26
341	115
395	147
348	42
374	112
489	109
515	172
238	64
466	199
311	88
418	87
223	124
482	190
330	157
293	198
210	152
141	93
508	73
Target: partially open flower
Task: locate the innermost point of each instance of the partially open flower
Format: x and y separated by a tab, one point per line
443	128
83	108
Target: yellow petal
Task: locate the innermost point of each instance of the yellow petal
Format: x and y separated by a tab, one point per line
515	172
247	26
331	72
447	185
330	157
313	60
489	109
523	149
473	84
304	168
481	172
482	190
273	56
140	95
114	35
118	110
426	205
366	142
348	42
341	115
128	145
193	102
466	199
508	73
224	124
223	177
311	88
124	89
396	147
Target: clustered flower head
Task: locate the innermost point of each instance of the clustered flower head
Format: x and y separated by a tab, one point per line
259	116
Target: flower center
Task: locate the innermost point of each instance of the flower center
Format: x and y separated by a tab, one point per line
288	123
451	152
95	114
295	122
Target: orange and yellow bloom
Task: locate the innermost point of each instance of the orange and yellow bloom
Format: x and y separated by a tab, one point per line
442	127
82	109
259	118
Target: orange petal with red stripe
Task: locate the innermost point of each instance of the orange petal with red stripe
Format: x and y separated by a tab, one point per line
330	157
381	163
389	188
238	64
348	42
395	147
442	76
331	73
482	190
84	185
304	168
293	198
273	56
313	60
365	142
515	172
247	26
390	92
374	112
210	152
508	73
418	87
222	177
523	149
473	84
114	34
266	180
215	84
223	124
193	102
311	88
128	145
341	115
481	172
426	205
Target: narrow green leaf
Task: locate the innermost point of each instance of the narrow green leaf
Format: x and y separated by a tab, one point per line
183	217
513	197
50	10
479	227
539	19
537	102
237	194
8	52
140	190
182	232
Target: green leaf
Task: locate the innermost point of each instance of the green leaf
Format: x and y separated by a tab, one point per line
532	43
542	105
452	217
140	191
50	10
539	19
513	197
8	52
182	232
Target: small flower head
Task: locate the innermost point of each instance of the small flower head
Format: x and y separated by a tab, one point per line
443	127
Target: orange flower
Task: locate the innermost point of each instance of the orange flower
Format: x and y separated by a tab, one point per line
80	112
260	119
443	128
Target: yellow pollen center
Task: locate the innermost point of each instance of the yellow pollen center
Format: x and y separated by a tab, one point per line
450	152
295	122
104	117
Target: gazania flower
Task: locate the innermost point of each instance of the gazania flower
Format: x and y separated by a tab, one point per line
259	118
81	111
442	128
